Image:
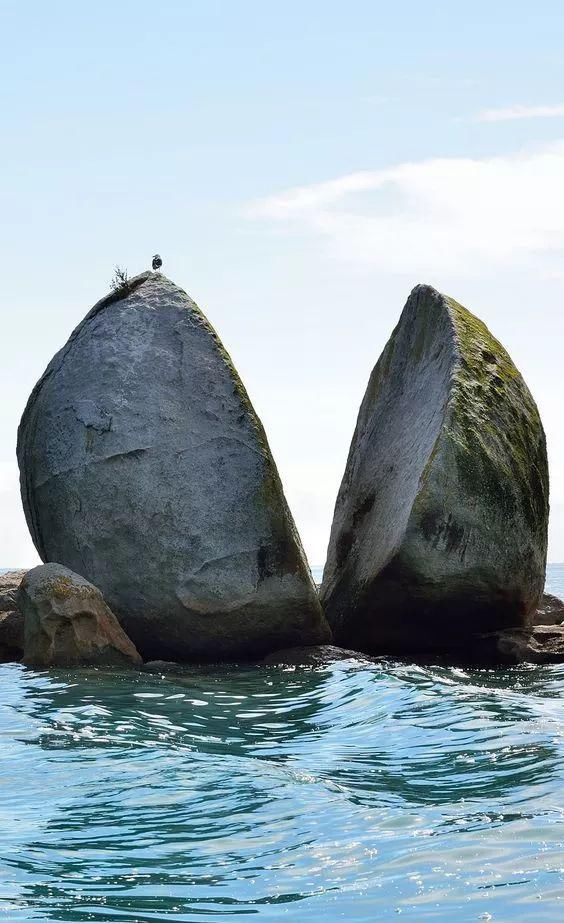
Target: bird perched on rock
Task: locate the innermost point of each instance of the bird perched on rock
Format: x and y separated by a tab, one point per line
157	262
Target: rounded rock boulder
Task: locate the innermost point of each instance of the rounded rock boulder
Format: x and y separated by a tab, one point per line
145	469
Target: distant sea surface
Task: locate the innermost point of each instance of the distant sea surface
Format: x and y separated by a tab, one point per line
354	793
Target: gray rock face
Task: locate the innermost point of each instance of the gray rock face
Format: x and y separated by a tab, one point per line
67	622
145	468
440	527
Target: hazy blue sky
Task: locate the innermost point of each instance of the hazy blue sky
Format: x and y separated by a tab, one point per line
299	166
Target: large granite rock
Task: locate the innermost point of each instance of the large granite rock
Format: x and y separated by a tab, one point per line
145	468
67	622
440	527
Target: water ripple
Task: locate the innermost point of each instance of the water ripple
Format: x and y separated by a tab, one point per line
353	792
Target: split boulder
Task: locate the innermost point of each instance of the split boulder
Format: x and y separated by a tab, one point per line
440	525
145	468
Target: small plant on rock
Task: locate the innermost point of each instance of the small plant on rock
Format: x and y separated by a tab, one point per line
120	280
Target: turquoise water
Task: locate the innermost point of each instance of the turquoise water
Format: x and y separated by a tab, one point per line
357	792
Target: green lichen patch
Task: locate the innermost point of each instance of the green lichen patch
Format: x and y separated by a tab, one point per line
495	424
62	588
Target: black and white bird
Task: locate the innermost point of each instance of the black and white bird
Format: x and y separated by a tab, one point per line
157	262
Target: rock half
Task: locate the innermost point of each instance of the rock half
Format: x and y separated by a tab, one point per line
67	622
145	468
440	526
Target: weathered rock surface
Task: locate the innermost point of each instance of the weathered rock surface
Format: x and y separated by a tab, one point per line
440	527
11	621
9	585
67	622
145	468
538	644
550	611
11	636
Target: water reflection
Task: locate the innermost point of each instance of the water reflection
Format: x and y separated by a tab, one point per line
346	792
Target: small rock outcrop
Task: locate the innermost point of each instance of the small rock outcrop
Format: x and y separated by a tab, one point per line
11	620
67	622
537	644
145	468
9	586
440	526
11	636
550	611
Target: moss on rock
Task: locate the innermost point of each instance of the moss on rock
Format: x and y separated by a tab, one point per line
450	444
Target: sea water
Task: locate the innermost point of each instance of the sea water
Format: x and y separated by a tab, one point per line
352	792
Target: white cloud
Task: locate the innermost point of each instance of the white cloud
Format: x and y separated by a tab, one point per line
510	113
440	215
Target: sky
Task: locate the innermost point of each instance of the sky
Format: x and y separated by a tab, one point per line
300	166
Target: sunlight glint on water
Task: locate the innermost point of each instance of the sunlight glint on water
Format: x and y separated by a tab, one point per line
350	793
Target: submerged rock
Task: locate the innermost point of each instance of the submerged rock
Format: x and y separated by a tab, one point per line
67	622
166	666
440	526
145	468
322	655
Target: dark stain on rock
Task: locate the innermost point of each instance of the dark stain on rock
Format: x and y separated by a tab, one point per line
344	545
446	532
363	509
